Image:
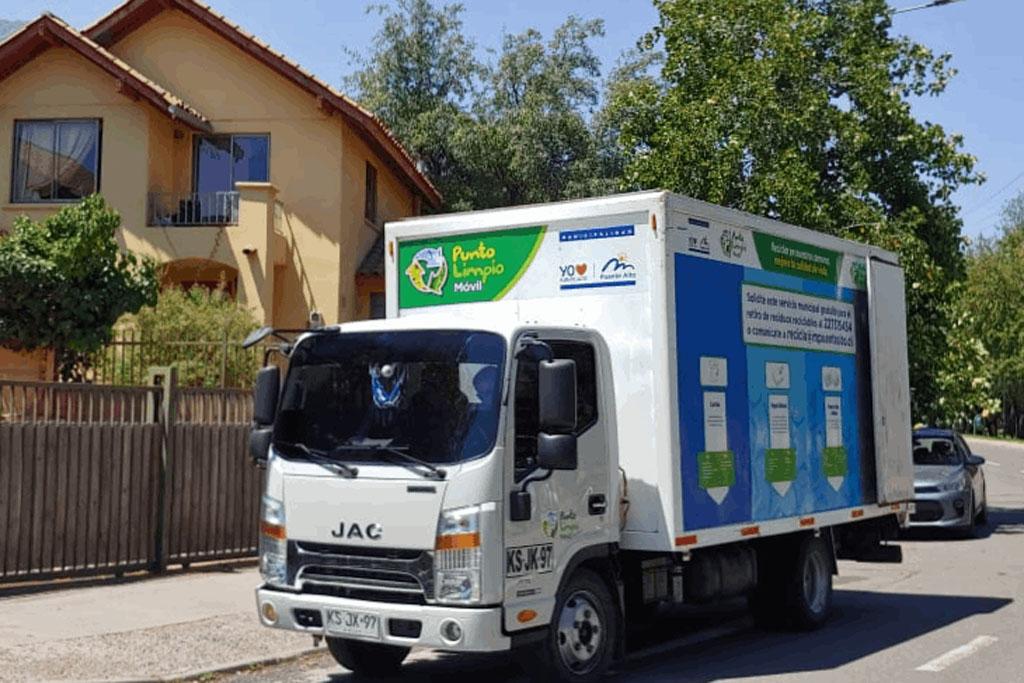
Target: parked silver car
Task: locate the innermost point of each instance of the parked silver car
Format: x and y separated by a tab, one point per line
949	484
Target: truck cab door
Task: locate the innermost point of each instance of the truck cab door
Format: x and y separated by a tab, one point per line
569	509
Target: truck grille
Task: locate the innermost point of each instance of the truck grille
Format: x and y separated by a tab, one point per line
380	574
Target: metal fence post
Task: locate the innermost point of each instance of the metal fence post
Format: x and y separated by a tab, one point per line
167	379
224	361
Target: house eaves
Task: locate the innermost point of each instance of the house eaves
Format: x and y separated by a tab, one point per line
134	13
48	31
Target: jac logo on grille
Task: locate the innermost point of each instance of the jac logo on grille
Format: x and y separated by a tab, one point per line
370	531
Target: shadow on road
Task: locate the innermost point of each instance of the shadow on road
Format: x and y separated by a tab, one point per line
1000	521
864	623
1005	521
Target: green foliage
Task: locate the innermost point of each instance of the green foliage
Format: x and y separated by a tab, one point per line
966	380
799	110
65	281
992	294
489	135
197	331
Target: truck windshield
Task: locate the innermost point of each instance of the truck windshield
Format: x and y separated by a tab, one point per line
433	394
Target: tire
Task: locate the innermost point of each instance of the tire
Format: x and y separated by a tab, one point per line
968	530
583	635
982	518
808	586
370	660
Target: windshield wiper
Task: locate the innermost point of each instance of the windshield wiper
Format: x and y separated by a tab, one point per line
321	458
399	451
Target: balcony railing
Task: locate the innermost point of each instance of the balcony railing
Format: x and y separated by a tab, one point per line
196	208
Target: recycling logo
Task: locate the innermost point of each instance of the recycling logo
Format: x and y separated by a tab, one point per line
428	270
732	243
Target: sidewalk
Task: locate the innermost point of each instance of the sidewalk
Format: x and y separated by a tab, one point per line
149	629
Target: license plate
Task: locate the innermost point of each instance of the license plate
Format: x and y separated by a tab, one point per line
345	622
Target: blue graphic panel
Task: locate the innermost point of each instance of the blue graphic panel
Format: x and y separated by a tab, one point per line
768	501
817	472
708	323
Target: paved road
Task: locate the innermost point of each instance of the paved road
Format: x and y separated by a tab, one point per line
952	611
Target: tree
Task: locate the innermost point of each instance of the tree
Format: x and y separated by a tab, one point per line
65	281
512	132
418	78
799	110
992	294
196	330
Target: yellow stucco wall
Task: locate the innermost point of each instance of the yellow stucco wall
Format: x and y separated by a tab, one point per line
317	164
60	84
238	94
393	202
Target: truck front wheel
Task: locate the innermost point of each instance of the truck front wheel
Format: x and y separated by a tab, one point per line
581	640
367	659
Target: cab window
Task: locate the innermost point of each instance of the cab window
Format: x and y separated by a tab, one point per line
525	407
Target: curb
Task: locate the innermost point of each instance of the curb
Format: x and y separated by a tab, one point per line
232	667
239	666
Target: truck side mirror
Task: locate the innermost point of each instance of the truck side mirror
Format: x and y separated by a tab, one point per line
268	386
556	451
264	408
556	396
259	444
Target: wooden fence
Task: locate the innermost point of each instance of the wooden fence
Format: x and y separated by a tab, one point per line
99	480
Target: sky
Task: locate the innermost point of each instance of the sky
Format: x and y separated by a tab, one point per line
984	102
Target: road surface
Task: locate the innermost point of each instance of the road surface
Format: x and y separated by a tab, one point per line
951	612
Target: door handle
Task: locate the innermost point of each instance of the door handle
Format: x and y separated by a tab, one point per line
596	504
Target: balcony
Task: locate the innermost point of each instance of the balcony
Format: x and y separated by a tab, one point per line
168	209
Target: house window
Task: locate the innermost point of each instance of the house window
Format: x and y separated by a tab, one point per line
223	160
370	208
55	160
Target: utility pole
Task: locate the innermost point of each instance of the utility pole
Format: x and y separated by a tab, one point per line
934	3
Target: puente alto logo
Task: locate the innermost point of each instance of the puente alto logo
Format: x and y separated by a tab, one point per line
428	270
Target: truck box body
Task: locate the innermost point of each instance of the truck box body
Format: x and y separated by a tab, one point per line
760	368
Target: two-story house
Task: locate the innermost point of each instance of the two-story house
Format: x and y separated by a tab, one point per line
228	162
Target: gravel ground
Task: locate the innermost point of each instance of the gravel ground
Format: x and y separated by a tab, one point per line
163	651
160	628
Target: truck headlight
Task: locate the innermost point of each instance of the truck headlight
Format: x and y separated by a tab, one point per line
957	482
457	556
273	543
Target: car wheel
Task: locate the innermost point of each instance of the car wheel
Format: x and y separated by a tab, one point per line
967	531
982	518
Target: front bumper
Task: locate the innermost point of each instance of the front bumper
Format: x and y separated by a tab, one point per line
481	627
950	509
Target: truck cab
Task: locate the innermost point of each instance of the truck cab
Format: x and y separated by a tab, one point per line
425	481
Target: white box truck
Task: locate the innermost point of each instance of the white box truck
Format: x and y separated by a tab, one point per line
573	412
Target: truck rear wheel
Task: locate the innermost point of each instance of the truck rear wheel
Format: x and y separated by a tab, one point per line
582	637
794	588
809	587
367	659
